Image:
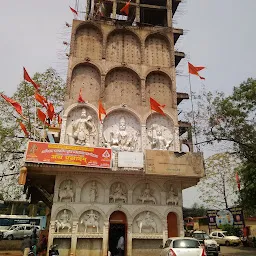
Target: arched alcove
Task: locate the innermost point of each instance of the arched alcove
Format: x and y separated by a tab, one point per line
157	50
172	225
88	42
124	46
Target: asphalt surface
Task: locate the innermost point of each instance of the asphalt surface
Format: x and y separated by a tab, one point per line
237	251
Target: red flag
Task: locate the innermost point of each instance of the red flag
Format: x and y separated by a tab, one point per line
28	79
194	70
50	110
102	111
73	10
59	120
156	106
80	98
23	127
125	9
238	181
42	116
41	99
15	104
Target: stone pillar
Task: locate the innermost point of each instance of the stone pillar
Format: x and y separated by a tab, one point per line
163	198
105	239
114	9
74	238
50	236
143	91
78	194
143	136
137	11
165	230
129	201
169	13
129	239
106	196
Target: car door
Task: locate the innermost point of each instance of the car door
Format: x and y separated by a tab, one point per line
221	239
165	249
28	231
18	232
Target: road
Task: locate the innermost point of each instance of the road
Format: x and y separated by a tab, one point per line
237	251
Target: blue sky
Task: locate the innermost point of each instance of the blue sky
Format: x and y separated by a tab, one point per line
219	35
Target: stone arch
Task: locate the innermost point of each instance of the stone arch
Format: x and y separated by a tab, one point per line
92	207
123	45
63	207
63	178
88	42
120	209
79	105
87	77
97	179
157	50
122	86
159	87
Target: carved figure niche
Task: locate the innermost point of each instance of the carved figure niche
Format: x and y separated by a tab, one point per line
63	222
82	128
92	192
121	131
172	194
147	222
146	193
160	132
118	193
90	221
67	191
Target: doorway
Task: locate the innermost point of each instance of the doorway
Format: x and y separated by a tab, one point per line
172	224
117	229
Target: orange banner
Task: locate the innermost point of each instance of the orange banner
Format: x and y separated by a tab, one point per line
42	152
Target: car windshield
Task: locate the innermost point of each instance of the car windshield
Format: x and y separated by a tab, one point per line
12	227
224	233
186	243
206	236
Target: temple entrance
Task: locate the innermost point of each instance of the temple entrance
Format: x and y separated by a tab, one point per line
172	225
117	229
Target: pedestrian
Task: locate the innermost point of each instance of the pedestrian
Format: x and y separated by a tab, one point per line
34	240
26	245
120	246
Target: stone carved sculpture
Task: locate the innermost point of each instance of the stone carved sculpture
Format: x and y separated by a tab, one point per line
172	198
83	130
93	192
146	195
157	139
64	221
66	192
147	222
91	220
118	194
122	140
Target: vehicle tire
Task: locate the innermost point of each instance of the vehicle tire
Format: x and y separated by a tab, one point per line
10	237
227	243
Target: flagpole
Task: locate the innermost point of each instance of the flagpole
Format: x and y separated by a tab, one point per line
26	95
35	125
193	116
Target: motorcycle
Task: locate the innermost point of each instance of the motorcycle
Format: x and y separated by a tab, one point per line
53	250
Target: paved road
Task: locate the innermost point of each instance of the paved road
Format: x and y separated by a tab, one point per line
237	251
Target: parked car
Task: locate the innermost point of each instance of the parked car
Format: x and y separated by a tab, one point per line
19	231
221	238
211	246
182	246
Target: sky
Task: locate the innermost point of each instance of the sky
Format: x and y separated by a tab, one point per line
219	35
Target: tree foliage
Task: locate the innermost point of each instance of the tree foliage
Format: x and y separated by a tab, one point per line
12	140
195	211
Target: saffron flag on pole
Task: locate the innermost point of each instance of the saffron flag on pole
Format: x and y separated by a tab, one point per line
126	8
28	79
59	119
156	106
23	128
73	10
41	99
80	98
238	181
194	70
102	111
50	110
42	116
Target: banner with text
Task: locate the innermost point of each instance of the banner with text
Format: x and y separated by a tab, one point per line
232	216
43	152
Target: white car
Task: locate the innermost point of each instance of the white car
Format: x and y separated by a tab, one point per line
19	231
221	238
182	246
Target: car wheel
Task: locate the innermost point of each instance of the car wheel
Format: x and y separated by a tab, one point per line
227	243
10	237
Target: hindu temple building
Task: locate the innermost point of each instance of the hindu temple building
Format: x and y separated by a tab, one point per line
123	176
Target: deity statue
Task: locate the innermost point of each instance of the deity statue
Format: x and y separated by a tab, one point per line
118	193
157	139
63	222
93	192
172	197
64	217
90	221
67	192
83	129
146	195
147	223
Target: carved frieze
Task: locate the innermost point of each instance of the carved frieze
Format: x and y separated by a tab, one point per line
118	193
90	222
146	196
63	222
67	191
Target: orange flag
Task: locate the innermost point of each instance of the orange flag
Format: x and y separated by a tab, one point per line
23	128
50	110
73	10
238	181
42	116
59	120
15	104
102	111
194	70
125	9
28	79
156	106
80	98
41	99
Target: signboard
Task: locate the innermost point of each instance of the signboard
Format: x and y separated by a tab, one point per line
42	152
130	159
163	162
232	216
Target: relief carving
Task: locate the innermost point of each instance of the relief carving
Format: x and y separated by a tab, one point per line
172	198
147	222
93	192
64	221
90	220
66	191
146	195
118	193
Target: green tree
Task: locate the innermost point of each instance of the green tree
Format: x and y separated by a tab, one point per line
12	139
195	211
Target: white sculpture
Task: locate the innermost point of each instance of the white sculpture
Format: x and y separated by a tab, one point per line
93	192
146	196
91	220
83	129
118	194
67	192
63	222
147	223
172	197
